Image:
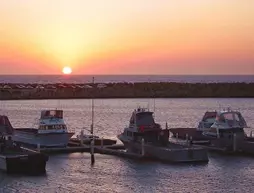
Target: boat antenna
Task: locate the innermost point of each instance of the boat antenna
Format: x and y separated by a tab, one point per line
154	104
148	106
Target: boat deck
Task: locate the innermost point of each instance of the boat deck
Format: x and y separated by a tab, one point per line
16	152
30	130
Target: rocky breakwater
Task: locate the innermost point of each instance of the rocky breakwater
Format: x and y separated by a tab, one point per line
125	90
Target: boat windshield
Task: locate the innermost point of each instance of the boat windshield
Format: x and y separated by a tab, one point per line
231	119
145	118
50	127
209	117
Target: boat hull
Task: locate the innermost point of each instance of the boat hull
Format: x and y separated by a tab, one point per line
175	153
31	163
44	140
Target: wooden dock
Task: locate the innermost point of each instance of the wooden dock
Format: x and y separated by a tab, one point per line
119	153
84	148
116	150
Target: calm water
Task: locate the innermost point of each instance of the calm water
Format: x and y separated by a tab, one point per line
73	172
43	79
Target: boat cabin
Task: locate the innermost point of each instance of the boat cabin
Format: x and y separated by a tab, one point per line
207	120
52	121
142	125
142	120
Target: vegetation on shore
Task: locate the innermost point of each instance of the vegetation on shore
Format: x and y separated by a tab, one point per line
126	90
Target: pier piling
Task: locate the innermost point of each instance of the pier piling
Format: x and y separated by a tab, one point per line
142	147
81	138
38	147
102	142
190	142
218	133
234	142
92	152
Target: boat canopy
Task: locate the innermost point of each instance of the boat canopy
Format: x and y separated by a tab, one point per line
47	114
230	119
5	125
209	116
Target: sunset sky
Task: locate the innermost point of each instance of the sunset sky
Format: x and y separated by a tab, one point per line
127	36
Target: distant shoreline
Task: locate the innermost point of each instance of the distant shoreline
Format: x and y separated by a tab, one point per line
126	90
79	79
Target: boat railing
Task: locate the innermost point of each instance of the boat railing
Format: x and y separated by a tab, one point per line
88	129
249	131
72	130
180	141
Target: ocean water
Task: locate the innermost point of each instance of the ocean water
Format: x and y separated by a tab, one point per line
43	79
74	173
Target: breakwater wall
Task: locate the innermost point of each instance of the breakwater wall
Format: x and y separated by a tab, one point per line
126	90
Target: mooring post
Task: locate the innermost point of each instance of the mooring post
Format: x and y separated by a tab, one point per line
142	147
234	142
102	142
176	137
38	147
250	133
218	133
187	138
81	138
190	141
92	151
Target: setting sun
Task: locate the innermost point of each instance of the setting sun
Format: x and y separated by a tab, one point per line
67	70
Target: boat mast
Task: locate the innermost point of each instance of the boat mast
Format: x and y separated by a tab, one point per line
92	142
92	109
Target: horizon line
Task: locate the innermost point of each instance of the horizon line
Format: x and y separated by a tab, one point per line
64	75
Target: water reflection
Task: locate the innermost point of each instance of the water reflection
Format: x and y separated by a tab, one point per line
74	173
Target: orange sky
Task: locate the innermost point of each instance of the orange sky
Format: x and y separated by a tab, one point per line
127	37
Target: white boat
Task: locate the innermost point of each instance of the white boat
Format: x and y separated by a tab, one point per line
51	132
227	134
226	121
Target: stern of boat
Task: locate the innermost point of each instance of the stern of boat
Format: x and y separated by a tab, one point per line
32	164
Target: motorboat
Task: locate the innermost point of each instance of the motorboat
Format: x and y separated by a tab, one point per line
51	132
146	137
227	134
